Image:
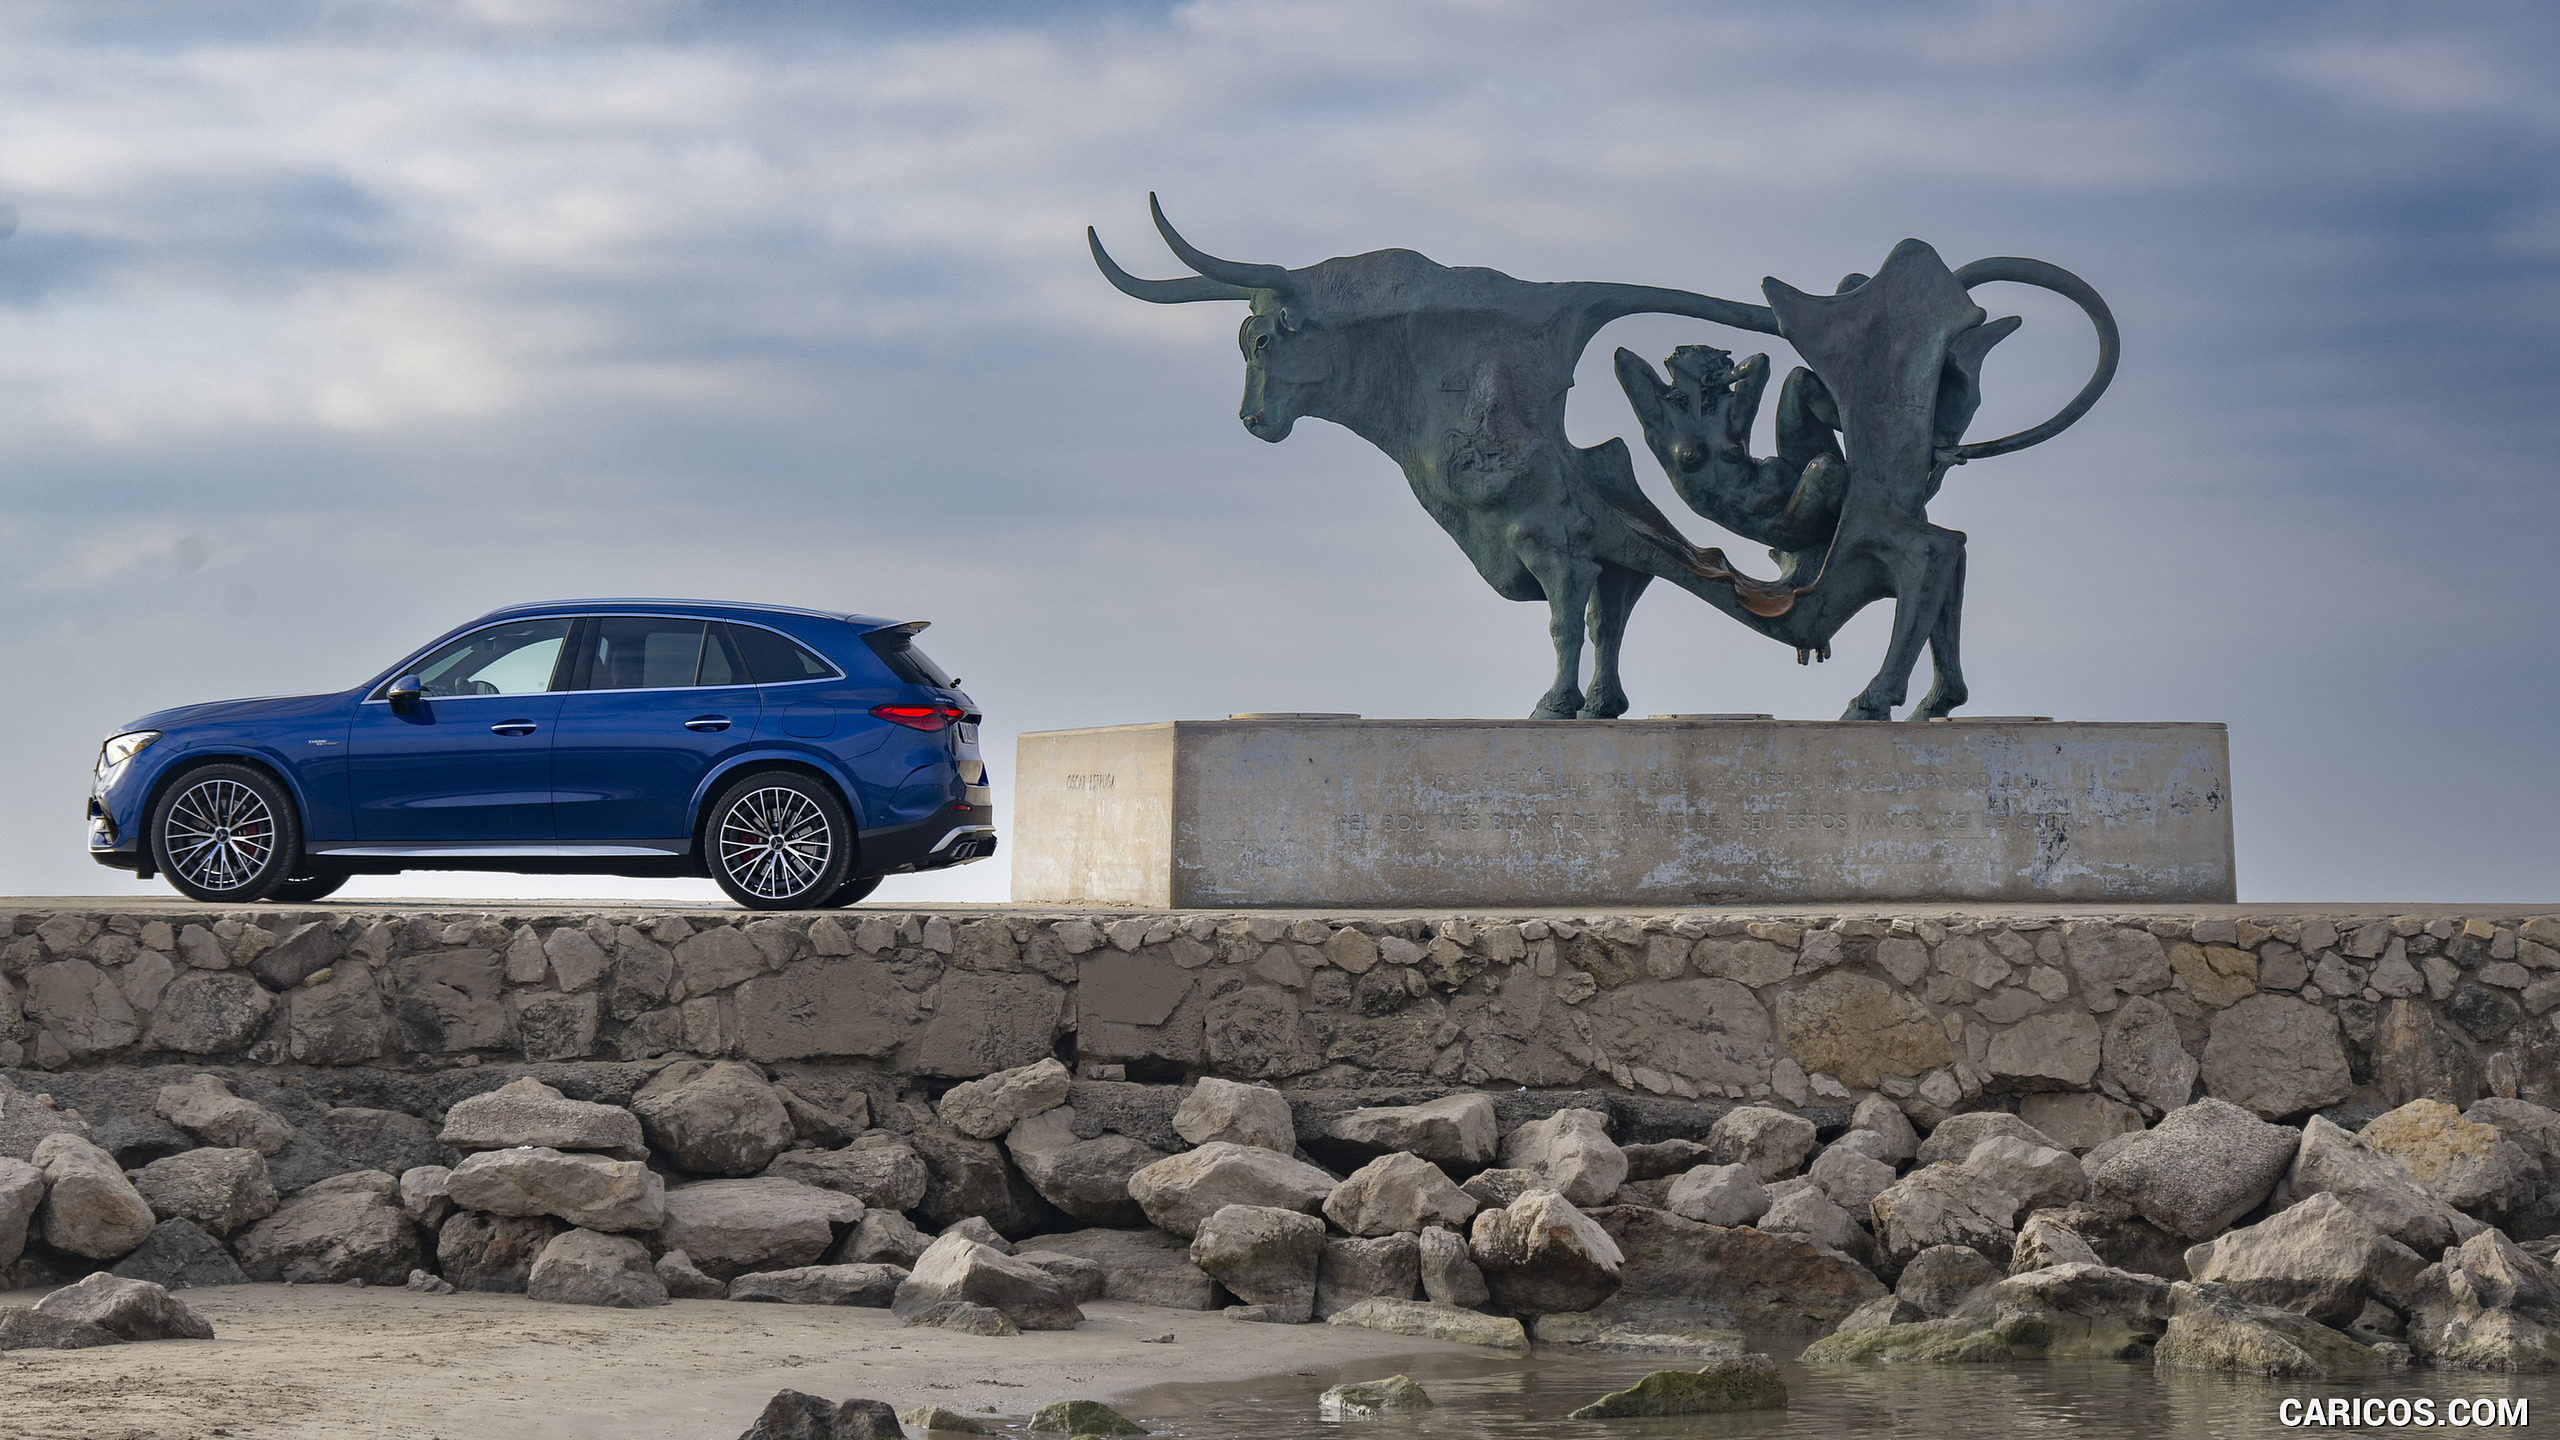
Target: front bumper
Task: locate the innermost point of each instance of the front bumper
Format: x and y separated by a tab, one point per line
951	836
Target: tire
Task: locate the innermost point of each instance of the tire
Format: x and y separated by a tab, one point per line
857	888
778	840
312	884
225	835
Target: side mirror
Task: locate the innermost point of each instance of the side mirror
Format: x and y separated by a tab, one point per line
404	694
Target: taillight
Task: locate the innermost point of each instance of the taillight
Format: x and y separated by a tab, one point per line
927	718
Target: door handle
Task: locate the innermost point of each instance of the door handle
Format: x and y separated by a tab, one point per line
512	727
707	723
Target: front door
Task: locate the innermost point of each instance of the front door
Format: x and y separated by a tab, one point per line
657	701
472	762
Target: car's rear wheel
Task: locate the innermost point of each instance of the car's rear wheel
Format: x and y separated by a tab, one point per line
853	890
312	884
226	834
778	840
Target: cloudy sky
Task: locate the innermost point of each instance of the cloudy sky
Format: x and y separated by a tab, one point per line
327	325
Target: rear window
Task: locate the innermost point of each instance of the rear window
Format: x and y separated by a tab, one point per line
776	659
898	650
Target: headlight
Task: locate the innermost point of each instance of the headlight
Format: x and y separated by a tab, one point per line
121	748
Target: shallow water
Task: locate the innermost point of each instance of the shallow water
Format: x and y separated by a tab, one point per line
1530	1397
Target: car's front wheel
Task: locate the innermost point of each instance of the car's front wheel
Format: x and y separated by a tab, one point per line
226	834
778	840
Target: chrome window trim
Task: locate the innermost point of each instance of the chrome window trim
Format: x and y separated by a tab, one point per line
375	698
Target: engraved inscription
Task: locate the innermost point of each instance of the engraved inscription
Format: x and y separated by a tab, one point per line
1096	781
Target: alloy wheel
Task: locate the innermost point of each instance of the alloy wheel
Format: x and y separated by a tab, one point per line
775	843
220	835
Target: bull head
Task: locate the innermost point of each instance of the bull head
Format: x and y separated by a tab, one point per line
1287	354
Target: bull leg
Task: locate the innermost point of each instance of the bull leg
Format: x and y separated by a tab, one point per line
1568	583
1949	691
1612	601
1922	564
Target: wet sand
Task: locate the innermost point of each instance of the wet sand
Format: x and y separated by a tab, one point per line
331	1363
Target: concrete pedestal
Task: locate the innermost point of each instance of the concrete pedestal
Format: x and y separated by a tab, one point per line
1350	812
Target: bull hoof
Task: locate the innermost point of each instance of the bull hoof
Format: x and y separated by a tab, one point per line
1606	704
1558	705
1865	709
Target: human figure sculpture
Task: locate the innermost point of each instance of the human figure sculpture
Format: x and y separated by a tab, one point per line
1460	375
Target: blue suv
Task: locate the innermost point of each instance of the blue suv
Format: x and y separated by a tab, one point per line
794	756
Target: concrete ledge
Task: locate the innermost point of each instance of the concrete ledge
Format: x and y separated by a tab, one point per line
1291	812
2282	1010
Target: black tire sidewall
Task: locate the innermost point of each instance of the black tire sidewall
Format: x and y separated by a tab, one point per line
855	889
312	886
839	847
281	864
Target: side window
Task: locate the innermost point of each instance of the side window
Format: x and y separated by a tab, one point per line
721	664
512	659
642	652
776	659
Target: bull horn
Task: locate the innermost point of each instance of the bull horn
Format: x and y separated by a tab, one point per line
1273	279
1162	292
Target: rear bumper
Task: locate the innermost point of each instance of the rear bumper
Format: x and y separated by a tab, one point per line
946	838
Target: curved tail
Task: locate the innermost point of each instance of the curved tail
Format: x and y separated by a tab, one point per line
2070	287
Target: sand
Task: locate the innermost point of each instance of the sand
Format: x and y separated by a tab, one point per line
308	1362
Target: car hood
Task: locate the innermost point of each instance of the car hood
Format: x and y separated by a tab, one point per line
264	707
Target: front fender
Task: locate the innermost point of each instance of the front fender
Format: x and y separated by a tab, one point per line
130	799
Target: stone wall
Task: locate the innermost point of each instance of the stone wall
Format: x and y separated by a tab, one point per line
2283	1013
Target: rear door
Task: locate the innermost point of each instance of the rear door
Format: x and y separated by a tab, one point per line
654	703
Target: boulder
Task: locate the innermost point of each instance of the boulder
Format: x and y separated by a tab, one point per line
1541	1256
1141	1267
1180	1192
205	1108
930	1418
1719	1195
2319	1258
2330	1161
1880	1117
869	1286
731	1227
1222	1111
881	1170
1943	1204
1850	1177
717	1118
966	1177
884	1237
1082	1417
2073	1311
2081	1122
1434	1322
25	1120
583	1267
2486	1306
1941	1278
1571	1153
23	1327
89	1208
1084	1279
1459	1132
2053	1051
1957	1135
347	1227
1352	1270
1750	1382
2038	1176
1772	1142
181	1256
1088	1180
209	1014
2045	1241
684	1282
2144	1056
1708	1282
2275	1055
1397	1192
492	1253
1268	1257
1448	1270
423	1197
984	1109
2211	1328
219	1189
957	1269
2125	1242
126	1309
22	1189
528	1112
2202	1167
1811	1213
1493	1189
2468	1165
976	1228
1370	1399
369	1139
1663	1159
589	1191
791	1415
